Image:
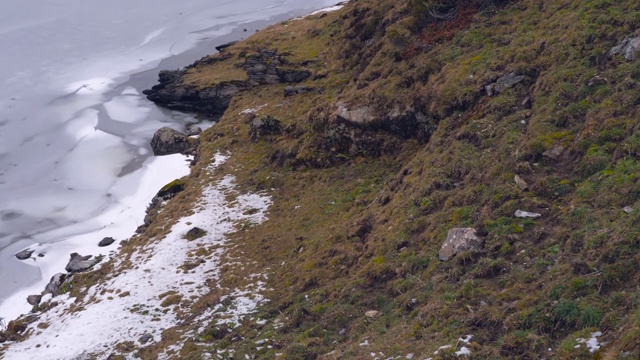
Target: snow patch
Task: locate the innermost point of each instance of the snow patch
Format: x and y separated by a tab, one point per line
592	343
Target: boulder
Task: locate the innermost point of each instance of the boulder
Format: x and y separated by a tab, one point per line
167	141
290	91
373	314
193	130
225	45
145	338
106	241
554	152
521	183
627	209
54	284
628	48
459	240
503	83
263	127
79	263
24	254
34	300
195	233
526	214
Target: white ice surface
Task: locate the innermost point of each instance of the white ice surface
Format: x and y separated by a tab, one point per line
134	192
111	318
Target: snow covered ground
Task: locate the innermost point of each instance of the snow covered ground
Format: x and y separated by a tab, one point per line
133	301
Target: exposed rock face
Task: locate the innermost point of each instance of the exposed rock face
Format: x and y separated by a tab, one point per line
24	254
167	141
264	127
459	240
225	45
628	48
503	83
106	241
268	68
54	284
79	263
34	299
172	94
265	67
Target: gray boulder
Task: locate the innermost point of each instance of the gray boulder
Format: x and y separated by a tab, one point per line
521	183
34	299
54	284
24	254
628	48
503	83
106	241
263	127
459	240
526	214
79	263
167	141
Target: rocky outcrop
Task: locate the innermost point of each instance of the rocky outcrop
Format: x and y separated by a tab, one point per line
24	254
79	263
503	83
265	67
459	240
173	94
628	48
264	127
53	287
167	141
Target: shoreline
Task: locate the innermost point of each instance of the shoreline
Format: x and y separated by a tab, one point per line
15	304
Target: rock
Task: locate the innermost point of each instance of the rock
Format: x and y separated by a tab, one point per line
357	116
173	94
263	127
458	240
555	152
628	48
167	141
193	130
290	91
195	233
54	284
79	263
170	190
24	254
106	241
292	75
373	314
225	45
503	83
34	299
627	209
526	214
145	338
521	183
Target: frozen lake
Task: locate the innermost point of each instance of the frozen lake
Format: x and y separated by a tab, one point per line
75	164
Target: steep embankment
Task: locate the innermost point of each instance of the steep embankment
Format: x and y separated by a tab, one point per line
377	130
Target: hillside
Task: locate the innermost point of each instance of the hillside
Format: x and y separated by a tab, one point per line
377	129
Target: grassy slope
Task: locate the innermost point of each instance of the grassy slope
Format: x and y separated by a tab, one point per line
362	233
360	213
